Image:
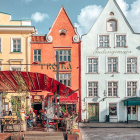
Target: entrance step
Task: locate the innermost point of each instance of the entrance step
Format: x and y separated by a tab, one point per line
44	136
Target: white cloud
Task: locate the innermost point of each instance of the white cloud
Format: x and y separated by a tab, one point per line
89	14
123	5
87	17
39	17
132	14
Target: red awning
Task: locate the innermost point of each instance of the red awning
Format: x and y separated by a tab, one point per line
70	99
13	81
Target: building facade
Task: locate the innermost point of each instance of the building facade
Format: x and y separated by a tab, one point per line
15	39
64	42
110	72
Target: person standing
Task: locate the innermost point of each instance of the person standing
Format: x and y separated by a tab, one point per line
23	121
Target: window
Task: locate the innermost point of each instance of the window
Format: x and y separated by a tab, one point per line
37	55
65	78
64	55
92	65
132	65
104	41
0	45
112	109
92	89
120	40
14	68
111	25
131	88
112	64
112	89
16	45
68	108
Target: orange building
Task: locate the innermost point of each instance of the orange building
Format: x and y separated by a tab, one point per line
63	40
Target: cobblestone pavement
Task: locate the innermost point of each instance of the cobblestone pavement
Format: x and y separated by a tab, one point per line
110	133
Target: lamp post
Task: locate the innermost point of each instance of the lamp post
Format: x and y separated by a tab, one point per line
57	78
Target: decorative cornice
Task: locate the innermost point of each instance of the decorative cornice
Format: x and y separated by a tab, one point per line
17	28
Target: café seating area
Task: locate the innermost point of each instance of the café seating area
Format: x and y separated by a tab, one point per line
11	123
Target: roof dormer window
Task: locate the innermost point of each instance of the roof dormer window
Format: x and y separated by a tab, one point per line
111	25
62	32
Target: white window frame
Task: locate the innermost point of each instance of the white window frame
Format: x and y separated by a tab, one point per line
65	79
67	55
116	24
12	38
93	94
131	63
103	40
131	87
16	67
37	55
112	64
113	90
93	68
116	41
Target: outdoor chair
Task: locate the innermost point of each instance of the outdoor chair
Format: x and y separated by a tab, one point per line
51	123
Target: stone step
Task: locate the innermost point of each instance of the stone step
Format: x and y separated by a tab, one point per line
39	133
43	138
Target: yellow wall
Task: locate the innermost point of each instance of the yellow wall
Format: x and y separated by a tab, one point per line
6	54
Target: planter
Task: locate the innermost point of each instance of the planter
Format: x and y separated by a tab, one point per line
72	137
75	130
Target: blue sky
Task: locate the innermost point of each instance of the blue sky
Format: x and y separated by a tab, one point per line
43	12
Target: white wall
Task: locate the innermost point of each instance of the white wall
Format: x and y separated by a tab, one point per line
89	48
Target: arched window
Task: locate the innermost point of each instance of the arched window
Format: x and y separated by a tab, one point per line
62	32
111	25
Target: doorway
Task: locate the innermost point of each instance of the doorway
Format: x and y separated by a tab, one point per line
38	107
93	111
132	113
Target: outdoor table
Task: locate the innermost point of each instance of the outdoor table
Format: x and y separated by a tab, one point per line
58	119
53	123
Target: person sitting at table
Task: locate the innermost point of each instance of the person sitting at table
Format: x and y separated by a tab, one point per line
44	118
4	113
55	115
30	119
10	113
60	114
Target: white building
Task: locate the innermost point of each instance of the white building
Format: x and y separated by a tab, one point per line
110	72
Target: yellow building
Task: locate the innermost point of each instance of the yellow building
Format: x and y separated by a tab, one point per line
15	38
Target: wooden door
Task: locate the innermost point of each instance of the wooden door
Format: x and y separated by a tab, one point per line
93	111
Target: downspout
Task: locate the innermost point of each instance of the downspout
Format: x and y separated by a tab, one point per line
80	80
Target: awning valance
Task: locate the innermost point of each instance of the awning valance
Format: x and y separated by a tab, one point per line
16	81
132	101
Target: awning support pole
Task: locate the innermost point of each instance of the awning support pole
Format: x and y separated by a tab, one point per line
0	108
127	112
